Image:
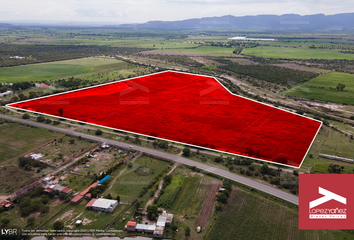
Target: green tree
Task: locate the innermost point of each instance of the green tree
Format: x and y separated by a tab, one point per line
45	199
63	196
94	194
340	87
186	151
72	141
264	168
98	132
40	119
58	225
222	198
187	231
31	221
109	196
118	198
25	116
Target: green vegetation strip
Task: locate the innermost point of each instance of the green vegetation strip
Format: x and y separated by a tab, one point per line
324	88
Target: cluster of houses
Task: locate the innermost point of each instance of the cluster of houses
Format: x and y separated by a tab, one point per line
57	188
157	229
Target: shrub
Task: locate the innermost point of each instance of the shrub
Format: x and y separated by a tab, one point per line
98	132
40	119
25	116
187	231
186	151
58	225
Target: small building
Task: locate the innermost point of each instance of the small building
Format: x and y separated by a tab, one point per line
58	188
41	85
131	226
104	146
78	222
76	199
36	156
221	189
93	185
161	221
7	204
67	190
88	196
101	204
145	228
169	218
158	233
6	93
47	190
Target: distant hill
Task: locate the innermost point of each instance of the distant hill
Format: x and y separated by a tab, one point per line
343	21
5	25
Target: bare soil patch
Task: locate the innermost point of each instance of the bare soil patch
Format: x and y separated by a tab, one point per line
208	205
301	68
207	61
176	53
243	61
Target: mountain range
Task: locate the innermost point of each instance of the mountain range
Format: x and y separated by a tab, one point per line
343	21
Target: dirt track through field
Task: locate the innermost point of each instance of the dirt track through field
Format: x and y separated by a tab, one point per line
208	205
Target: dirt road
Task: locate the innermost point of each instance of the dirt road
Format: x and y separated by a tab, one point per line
208	204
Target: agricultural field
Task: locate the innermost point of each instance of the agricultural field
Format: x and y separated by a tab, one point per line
208	113
131	181
298	53
324	88
171	192
41	71
204	50
16	139
331	142
53	70
249	216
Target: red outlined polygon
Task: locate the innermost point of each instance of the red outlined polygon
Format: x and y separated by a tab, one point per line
186	108
326	201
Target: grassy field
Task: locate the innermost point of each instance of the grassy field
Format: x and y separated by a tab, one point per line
53	70
249	216
204	50
331	142
320	88
16	219
64	147
132	181
16	139
193	196
299	52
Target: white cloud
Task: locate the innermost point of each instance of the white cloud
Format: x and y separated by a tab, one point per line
150	10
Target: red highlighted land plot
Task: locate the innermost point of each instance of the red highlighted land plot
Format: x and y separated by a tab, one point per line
190	109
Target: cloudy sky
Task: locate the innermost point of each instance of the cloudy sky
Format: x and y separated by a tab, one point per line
133	11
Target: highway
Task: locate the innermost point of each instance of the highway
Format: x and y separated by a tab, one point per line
225	174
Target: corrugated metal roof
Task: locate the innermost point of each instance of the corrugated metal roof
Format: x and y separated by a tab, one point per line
66	190
91	202
131	223
77	198
88	189
145	227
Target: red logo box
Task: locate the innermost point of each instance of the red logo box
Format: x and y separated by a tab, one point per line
326	201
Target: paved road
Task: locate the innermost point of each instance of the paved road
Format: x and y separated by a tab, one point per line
275	192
